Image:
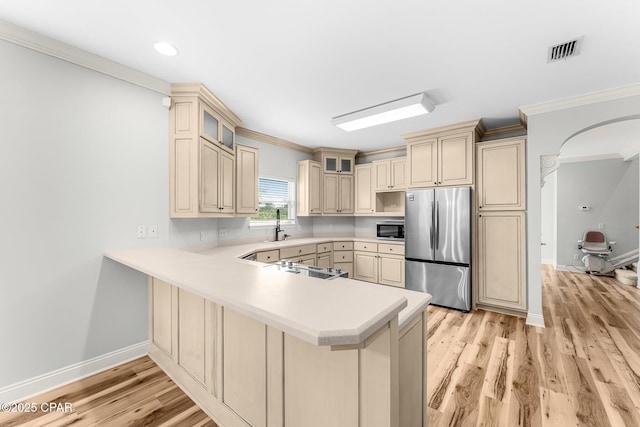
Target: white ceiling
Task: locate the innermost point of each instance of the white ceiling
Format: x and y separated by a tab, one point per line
287	66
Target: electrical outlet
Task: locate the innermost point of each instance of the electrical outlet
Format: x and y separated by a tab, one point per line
330	226
575	257
153	231
601	226
223	232
142	232
201	236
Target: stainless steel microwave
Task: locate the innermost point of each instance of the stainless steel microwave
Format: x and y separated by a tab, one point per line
390	230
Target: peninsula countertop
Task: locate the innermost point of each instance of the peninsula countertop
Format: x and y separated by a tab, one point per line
322	312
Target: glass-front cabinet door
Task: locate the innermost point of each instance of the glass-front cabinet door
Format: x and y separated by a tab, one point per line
214	130
338	164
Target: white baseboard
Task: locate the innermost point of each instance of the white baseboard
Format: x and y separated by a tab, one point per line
23	390
570	268
535	320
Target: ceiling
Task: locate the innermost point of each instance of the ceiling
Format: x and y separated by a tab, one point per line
286	67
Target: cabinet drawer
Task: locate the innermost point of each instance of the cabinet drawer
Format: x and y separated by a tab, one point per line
365	246
387	248
342	256
268	256
296	251
324	247
342	246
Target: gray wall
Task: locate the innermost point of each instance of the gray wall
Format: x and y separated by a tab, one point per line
548	215
547	132
84	162
610	187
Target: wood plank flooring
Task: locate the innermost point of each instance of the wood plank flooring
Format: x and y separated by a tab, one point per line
137	393
582	369
484	369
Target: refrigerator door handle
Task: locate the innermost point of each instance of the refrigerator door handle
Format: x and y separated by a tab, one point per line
436	223
432	226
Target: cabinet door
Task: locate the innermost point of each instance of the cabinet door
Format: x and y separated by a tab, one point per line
330	192
391	271
382	175
365	200
501	175
345	165
365	266
345	266
315	188
227	182
455	159
209	177
246	179
398	173
331	163
308	260
502	258
346	194
324	260
422	158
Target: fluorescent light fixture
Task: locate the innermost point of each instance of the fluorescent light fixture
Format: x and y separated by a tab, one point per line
399	109
165	49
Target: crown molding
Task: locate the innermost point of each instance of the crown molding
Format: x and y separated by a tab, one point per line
476	125
344	151
248	133
39	43
382	151
200	90
578	101
504	132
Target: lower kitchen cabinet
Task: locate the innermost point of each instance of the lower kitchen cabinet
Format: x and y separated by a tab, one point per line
233	367
379	263
324	259
502	260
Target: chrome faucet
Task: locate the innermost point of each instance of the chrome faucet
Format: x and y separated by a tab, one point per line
278	229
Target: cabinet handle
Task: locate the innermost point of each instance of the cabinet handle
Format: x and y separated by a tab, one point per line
256	210
390	249
269	257
299	251
435	183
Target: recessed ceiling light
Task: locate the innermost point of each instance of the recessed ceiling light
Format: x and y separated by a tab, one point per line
165	48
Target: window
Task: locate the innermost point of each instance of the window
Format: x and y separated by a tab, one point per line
274	194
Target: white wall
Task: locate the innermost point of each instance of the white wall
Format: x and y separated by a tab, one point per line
548	219
610	188
547	131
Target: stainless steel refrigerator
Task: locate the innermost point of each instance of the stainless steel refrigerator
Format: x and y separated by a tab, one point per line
438	245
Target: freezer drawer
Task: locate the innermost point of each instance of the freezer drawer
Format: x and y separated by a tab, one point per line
449	285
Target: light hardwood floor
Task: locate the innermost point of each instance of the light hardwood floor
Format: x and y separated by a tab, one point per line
484	369
582	369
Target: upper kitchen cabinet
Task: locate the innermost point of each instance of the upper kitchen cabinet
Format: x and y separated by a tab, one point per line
247	175
501	175
442	156
337	191
201	153
335	160
309	187
391	174
364	194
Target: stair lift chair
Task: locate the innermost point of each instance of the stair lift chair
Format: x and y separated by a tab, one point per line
597	249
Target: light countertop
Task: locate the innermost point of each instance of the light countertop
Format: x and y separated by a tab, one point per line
322	312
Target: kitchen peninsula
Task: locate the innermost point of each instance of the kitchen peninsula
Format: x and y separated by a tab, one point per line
254	346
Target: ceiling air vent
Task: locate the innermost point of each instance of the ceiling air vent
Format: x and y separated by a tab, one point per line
564	50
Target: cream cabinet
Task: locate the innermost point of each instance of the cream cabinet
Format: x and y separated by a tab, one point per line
336	160
364	194
343	257
443	156
337	194
268	256
301	254
390	174
379	263
502	259
309	188
201	154
325	255
501	175
217	169
247	175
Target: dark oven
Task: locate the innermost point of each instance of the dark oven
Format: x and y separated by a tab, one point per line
390	230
